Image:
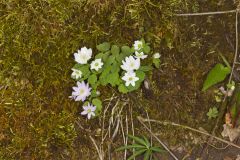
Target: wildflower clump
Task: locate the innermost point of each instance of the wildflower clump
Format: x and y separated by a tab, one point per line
122	67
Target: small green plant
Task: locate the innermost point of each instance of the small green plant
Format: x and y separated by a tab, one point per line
122	67
142	146
217	74
212	113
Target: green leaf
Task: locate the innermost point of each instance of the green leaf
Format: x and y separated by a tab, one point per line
145	68
212	113
98	103
143	41
218	73
157	149
115	50
122	88
109	61
156	62
137	139
147	155
146	48
113	79
104	75
147	141
137	153
115	67
120	57
103	47
130	147
126	50
140	75
92	80
103	56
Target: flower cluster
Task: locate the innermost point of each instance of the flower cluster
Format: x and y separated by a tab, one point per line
82	90
124	67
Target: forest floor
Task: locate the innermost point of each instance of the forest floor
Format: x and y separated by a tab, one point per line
37	42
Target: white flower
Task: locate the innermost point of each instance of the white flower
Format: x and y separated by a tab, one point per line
76	74
81	92
89	110
83	55
130	78
130	64
156	55
138	45
96	64
140	55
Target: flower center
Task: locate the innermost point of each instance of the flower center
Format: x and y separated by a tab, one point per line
96	64
81	91
84	57
130	78
132	64
89	111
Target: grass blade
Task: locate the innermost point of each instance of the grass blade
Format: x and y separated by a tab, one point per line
137	146
147	155
137	153
147	141
137	139
157	149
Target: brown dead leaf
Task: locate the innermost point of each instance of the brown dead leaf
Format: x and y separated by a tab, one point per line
231	133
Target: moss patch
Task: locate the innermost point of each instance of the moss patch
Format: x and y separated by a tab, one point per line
37	42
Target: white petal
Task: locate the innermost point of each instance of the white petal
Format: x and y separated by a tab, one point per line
85	107
92	113
78	98
127	83
84	112
93	108
132	83
89	116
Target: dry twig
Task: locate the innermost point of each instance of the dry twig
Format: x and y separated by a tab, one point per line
192	129
207	13
141	120
100	155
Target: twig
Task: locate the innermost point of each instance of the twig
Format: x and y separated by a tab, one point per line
126	140
111	121
123	134
218	148
150	127
141	120
103	123
192	129
104	114
236	48
116	129
207	13
113	137
98	151
117	121
132	124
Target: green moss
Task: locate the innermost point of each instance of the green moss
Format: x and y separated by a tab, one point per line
37	42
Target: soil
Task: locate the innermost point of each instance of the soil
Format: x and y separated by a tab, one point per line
174	93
